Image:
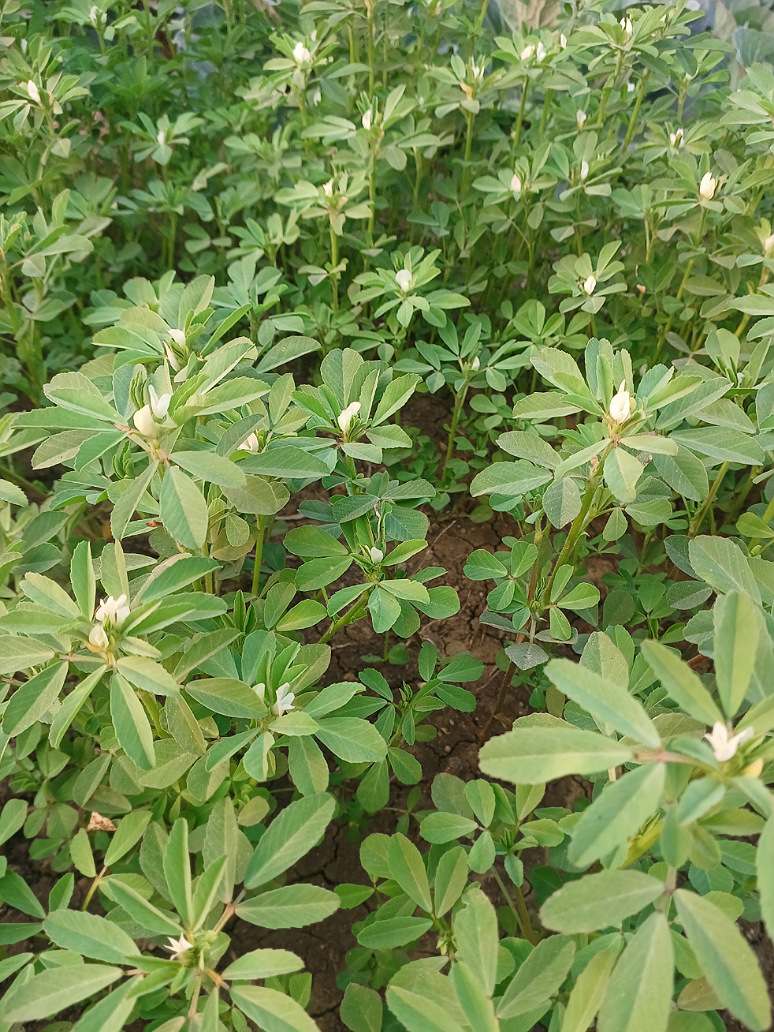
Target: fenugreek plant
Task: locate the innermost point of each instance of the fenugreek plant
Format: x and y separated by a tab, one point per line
344	347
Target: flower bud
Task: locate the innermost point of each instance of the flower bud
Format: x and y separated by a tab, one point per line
475	365
768	245
589	285
621	405
707	186
98	637
347	415
33	92
677	138
250	443
301	54
327	188
112	611
562	41
584	170
367	120
144	422
528	52
580	118
628	28
516	184
405	279
375	554
540	52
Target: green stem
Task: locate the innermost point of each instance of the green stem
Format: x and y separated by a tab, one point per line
334	273
635	112
459	401
576	529
519	908
520	116
371	45
352	614
258	559
698	519
468	153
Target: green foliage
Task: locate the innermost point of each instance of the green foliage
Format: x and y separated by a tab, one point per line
283	288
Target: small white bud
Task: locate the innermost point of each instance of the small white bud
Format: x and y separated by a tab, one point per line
580	118
589	285
144	421
346	416
33	92
405	279
367	120
301	54
376	554
562	41
768	245
528	52
161	137
250	444
159	403
93	14
516	184
584	170
178	336
677	138
327	188
475	365
628	28
98	637
621	404
540	52
707	186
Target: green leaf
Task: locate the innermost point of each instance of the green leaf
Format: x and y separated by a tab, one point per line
599	901
622	471
533	755
681	682
361	1009
82	579
562	501
617	814
540	976
177	871
352	739
131	724
12	818
129	831
738	629
482	565
476	936
145	914
390	933
729	964
513	479
589	990
292	906
148	675
34	699
639	993
408	870
91	936
764	861
206	465
262	963
291	835
271	1010
608	702
183	509
54	990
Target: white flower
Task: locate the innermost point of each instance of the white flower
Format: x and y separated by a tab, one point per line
346	416
405	279
589	285
98	637
584	170
33	92
113	610
327	188
301	54
621	404
768	245
528	52
626	25
475	365
562	40
178	336
285	699
630	87
367	120
540	52
93	14
159	403
250	443
144	421
677	138
376	554
178	947
147	418
580	118
725	745
516	184
161	137
708	186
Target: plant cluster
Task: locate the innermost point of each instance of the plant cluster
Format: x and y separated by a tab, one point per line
286	292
